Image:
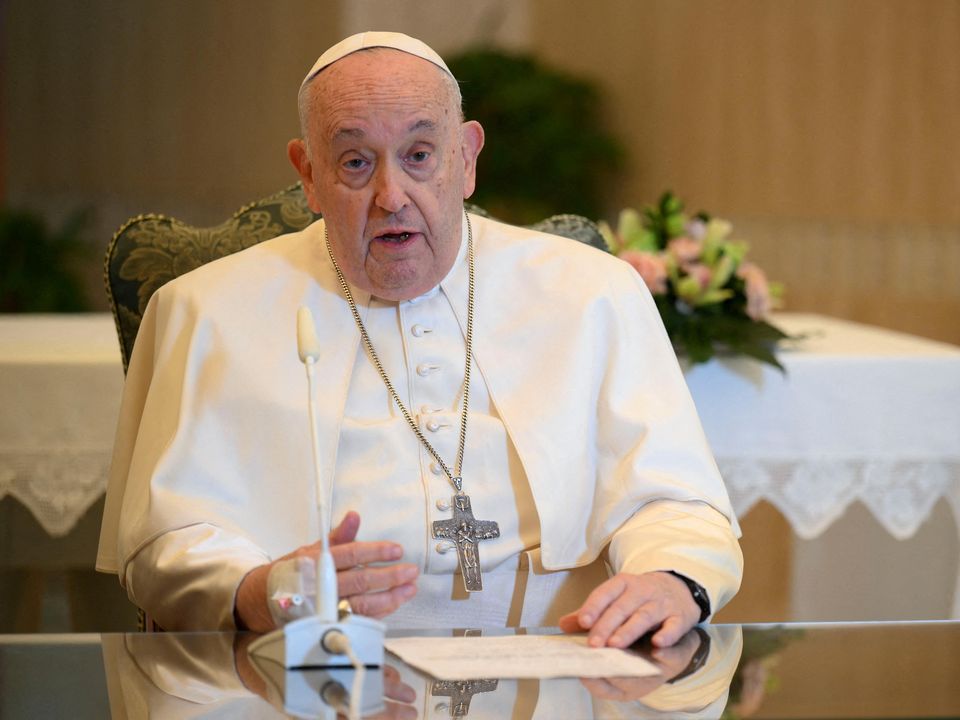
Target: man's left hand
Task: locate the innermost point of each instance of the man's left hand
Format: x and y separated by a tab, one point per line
627	606
670	661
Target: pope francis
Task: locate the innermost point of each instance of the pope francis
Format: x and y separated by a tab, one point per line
501	407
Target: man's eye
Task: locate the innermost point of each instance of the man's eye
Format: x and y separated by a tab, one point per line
354	164
419	156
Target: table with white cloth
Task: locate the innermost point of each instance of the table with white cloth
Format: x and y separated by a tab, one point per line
60	385
861	414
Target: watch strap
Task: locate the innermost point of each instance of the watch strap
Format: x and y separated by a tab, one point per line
697	592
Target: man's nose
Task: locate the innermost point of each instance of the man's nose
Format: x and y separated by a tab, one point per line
389	191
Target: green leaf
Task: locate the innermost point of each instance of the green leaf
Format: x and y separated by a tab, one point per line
629	223
644	241
722	272
711	297
675	225
608	237
670	203
688	288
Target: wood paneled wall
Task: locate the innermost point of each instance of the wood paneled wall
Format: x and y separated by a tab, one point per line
829	131
797	108
168	106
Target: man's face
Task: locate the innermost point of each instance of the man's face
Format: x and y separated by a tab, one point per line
388	163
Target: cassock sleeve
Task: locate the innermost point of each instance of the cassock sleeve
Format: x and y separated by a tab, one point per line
690	538
188	578
173	524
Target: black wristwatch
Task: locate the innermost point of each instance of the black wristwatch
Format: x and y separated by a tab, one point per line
698	593
699	658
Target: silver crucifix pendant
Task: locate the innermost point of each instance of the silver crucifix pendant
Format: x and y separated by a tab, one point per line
466	531
461	692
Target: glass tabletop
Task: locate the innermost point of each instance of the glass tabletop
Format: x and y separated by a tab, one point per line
867	670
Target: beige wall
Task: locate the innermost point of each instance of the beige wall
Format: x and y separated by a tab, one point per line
828	130
170	106
831	109
180	106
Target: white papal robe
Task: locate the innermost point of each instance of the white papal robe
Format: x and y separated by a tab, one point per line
583	439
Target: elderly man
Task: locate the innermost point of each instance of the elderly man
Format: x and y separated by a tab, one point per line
582	452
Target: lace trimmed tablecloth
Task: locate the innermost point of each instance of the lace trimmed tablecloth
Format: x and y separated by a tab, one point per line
60	387
862	414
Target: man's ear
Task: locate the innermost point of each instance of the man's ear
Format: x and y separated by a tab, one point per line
470	145
300	159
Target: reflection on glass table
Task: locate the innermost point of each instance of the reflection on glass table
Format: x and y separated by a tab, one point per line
724	671
175	674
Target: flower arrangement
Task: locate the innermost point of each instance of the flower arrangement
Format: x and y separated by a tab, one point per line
711	299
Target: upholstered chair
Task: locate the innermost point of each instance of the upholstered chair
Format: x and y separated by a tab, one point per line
150	250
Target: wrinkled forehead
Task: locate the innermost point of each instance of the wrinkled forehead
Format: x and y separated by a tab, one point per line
382	79
378	63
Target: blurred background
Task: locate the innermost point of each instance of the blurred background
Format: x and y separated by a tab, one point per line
825	130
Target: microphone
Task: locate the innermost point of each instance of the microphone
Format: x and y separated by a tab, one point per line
325	639
308	347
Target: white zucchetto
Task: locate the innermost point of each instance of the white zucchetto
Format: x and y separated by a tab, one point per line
370	39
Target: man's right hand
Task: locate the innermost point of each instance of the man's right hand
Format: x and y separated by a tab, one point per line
373	591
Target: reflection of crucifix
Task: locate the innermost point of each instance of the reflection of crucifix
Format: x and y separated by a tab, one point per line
461	692
466	531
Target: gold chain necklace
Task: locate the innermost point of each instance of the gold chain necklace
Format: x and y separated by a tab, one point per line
463	529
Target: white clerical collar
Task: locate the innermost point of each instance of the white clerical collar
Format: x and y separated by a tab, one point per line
428	295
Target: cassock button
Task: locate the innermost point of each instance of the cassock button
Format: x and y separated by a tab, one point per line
436	470
445	546
419	330
433	425
443	504
424	369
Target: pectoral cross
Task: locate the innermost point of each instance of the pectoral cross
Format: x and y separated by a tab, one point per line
466	531
461	692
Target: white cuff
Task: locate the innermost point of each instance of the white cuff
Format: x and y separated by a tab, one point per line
690	538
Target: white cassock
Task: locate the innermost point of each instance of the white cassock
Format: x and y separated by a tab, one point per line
583	441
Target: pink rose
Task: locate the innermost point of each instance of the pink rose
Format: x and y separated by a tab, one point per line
759	303
685	249
652	269
699	272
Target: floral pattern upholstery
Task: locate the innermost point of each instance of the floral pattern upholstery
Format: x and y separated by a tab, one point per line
150	250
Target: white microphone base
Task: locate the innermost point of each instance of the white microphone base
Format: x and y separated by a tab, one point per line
299	644
320	694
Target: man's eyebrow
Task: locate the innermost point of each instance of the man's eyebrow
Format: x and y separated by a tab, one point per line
348	132
423	124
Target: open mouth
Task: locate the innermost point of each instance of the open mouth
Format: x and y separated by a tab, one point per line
397	239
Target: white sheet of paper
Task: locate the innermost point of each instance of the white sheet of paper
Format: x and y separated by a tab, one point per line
516	656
